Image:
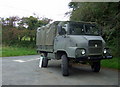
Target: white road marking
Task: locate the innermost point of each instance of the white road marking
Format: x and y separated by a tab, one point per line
22	61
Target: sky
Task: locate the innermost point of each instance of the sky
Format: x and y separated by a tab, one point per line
53	9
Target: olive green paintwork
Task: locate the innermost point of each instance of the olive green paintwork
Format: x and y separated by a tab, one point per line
50	41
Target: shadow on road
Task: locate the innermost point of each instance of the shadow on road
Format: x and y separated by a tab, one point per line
84	70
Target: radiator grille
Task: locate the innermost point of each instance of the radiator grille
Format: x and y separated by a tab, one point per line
95	47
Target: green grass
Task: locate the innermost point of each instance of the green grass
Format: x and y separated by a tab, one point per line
17	51
111	63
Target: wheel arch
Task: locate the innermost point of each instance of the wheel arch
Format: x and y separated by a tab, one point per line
59	53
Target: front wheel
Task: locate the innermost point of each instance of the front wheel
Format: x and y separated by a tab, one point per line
64	65
96	66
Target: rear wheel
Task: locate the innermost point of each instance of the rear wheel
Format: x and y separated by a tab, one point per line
96	66
64	65
45	60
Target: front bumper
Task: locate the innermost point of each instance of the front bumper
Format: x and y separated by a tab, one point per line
85	58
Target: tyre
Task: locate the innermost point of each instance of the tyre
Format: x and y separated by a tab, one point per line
64	65
45	60
96	66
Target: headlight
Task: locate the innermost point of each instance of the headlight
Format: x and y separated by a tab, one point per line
83	51
105	51
80	52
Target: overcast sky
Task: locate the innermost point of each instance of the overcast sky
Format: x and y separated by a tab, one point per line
53	9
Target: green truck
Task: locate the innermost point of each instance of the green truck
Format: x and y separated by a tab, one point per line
72	42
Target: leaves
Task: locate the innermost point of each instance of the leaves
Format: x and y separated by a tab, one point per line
106	14
15	28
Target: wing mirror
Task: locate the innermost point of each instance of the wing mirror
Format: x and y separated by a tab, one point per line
61	30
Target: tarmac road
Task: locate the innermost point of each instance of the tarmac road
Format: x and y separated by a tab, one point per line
24	70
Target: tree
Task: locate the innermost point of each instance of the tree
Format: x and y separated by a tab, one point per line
15	29
106	14
32	23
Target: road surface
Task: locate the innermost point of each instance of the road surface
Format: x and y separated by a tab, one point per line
24	70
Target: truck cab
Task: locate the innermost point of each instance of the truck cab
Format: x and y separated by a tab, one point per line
73	42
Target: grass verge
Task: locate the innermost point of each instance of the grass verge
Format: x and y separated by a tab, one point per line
17	51
111	63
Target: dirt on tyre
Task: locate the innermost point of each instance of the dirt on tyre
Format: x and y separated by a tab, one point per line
65	65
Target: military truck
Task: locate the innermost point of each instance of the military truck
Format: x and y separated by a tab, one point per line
72	42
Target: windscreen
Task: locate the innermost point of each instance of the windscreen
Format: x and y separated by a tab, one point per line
77	28
91	29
